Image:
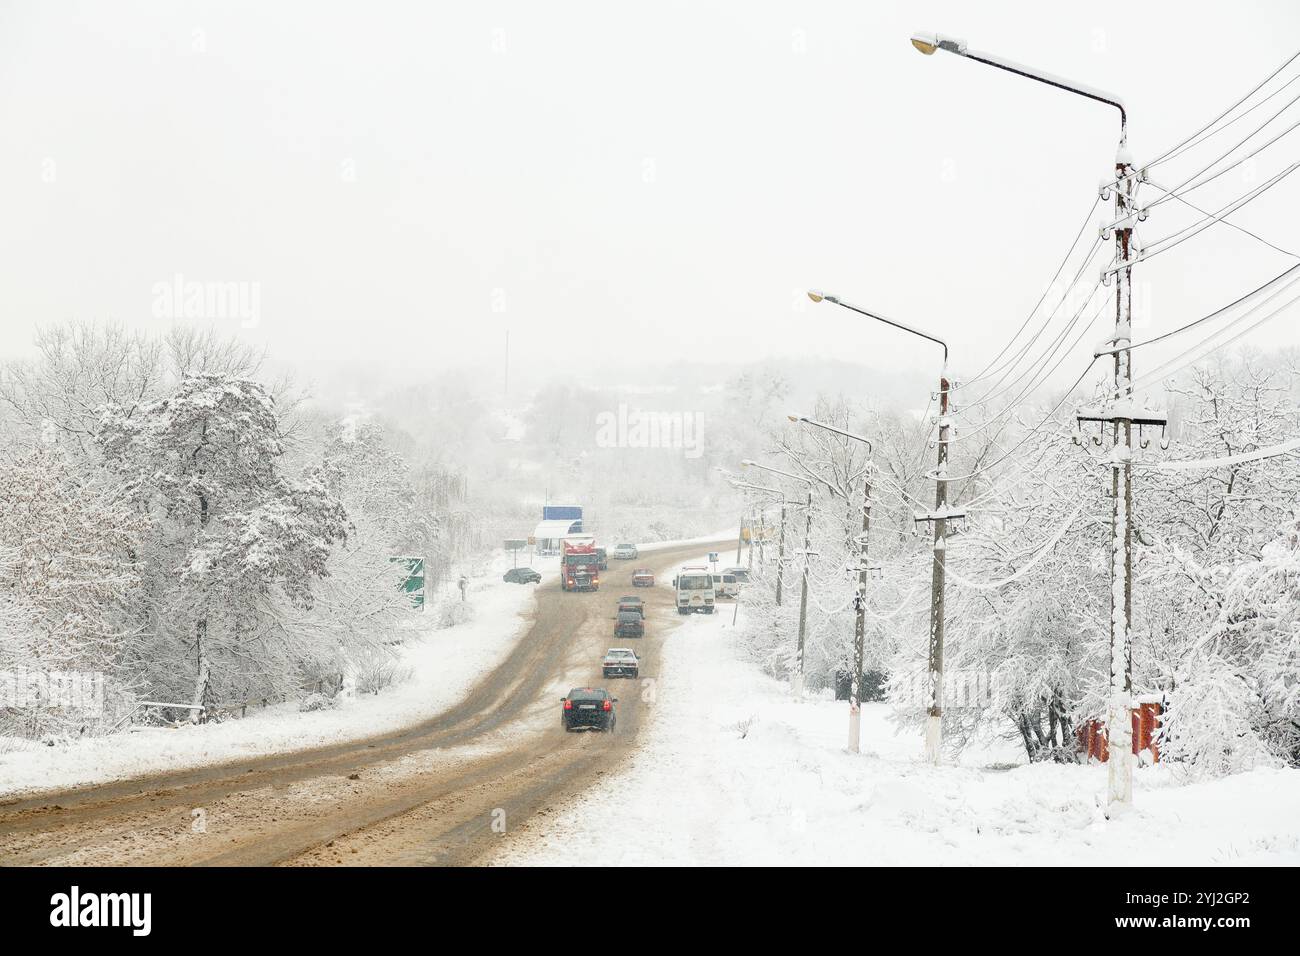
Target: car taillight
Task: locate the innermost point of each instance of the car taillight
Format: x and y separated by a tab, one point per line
568	705
608	706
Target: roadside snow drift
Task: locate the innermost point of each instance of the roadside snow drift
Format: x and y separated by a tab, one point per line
732	771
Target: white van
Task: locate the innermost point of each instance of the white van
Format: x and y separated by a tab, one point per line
694	587
726	585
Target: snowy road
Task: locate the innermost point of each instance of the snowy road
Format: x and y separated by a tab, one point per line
428	794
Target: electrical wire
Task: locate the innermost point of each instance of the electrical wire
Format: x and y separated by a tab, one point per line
1294	271
1170	368
1043	552
1165	243
1056	275
1166	155
1055	408
998	388
1183	187
1227	125
1039	378
1273	451
1223	219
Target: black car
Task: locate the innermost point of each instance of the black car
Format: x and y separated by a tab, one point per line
630	624
522	576
630	602
589	708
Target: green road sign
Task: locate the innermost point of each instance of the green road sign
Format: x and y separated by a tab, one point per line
414	583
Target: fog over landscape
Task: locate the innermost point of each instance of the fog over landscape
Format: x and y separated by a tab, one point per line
684	434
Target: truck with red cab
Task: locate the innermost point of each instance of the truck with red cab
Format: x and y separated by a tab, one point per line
579	565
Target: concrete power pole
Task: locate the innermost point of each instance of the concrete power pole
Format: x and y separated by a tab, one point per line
1119	725
859	625
803	598
934	716
780	554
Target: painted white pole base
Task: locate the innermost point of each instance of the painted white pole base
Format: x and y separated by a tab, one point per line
855	730
933	739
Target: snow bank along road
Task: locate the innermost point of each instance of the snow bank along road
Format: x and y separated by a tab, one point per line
428	794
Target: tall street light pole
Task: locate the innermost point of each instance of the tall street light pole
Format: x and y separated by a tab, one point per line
797	681
859	599
1120	417
780	541
939	520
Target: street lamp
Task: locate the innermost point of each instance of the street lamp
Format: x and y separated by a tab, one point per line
780	541
860	599
938	519
803	589
1119	727
928	43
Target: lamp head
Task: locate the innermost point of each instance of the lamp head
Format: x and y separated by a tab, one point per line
815	295
927	43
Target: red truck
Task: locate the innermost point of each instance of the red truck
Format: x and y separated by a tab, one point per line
579	566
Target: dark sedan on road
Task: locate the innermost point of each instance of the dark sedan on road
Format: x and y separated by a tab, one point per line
589	708
630	624
522	576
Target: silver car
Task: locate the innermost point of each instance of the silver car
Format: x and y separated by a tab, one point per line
621	662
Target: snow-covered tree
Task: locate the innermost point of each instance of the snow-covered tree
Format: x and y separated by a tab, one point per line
231	533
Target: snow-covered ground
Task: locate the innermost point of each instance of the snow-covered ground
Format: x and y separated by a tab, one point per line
444	664
732	771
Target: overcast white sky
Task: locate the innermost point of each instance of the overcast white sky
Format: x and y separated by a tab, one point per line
647	181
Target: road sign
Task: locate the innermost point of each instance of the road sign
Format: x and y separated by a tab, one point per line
414	583
516	544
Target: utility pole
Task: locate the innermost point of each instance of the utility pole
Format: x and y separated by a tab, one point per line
860	597
740	537
1121	415
797	680
780	546
803	598
934	713
753	533
860	624
938	519
780	553
1119	711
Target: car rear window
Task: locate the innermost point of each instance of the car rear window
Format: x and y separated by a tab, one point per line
628	617
587	693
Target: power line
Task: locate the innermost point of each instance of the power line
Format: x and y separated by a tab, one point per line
1206	318
1042	298
1273	451
1223	219
1165	243
1226	125
1169	368
1166	154
1037	378
1012	450
1183	186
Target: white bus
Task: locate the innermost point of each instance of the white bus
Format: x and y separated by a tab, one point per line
694	587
